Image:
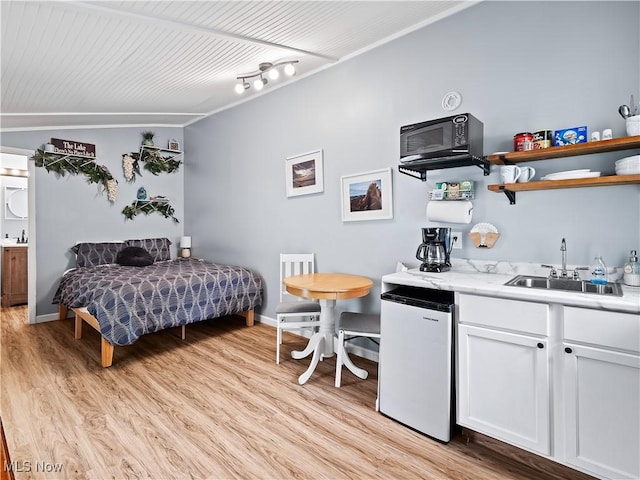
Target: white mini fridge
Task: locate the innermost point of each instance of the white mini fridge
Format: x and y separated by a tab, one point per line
416	359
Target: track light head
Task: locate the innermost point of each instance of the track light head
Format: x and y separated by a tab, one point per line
289	69
259	83
241	87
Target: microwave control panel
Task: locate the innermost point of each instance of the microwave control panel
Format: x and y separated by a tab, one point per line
460	134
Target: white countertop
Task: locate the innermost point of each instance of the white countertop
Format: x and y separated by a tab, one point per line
11	243
467	276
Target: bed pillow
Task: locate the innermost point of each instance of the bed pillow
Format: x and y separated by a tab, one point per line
134	257
157	247
94	254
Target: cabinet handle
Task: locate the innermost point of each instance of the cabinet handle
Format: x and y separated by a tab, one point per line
540	345
568	350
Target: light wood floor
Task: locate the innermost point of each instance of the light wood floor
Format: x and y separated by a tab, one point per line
213	406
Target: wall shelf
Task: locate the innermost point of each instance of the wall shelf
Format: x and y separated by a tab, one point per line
154	160
63	163
601	146
148	207
510	189
47	159
172	153
419	168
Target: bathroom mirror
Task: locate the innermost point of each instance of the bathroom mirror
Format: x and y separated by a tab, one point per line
16	203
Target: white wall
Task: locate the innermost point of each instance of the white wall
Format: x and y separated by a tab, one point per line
520	66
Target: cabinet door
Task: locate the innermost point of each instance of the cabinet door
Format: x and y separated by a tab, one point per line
602	411
503	386
14	276
19	270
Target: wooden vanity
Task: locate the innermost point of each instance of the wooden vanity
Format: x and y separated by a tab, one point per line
14	276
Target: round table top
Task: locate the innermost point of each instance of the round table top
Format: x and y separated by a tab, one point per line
328	285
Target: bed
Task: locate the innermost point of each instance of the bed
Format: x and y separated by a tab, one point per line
124	301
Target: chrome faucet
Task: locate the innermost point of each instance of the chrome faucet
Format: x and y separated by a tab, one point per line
563	271
563	249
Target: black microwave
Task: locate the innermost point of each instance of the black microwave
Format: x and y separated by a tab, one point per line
455	137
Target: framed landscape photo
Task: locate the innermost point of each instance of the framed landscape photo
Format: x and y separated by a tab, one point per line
304	174
367	196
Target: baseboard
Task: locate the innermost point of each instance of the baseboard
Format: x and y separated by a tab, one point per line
547	467
49	317
354	349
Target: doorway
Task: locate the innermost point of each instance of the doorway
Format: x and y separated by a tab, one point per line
14	168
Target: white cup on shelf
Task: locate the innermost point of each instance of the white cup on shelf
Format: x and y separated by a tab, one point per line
526	174
633	125
509	173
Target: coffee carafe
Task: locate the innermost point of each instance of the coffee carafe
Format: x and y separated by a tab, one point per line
435	249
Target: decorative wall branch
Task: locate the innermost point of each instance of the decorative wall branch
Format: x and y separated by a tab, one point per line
62	164
147	207
152	161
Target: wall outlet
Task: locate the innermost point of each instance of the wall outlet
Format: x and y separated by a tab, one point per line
457	240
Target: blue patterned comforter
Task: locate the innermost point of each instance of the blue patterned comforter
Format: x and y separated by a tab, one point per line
131	301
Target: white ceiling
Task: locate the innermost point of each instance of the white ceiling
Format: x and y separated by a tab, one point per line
169	63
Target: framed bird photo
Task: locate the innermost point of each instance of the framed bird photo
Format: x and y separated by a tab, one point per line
367	196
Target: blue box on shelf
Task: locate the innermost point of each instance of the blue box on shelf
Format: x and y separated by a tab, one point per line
570	136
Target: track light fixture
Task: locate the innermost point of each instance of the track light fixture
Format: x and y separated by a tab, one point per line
264	69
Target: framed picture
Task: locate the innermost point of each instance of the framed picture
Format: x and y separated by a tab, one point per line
173	144
367	196
304	174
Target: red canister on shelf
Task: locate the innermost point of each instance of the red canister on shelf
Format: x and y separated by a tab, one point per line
542	139
522	142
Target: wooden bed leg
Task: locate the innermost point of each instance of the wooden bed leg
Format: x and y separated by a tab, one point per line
78	328
184	332
107	353
249	316
62	312
106	348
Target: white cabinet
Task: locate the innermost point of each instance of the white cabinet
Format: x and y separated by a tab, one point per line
503	387
601	392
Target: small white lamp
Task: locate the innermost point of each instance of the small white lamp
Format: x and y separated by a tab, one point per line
185	245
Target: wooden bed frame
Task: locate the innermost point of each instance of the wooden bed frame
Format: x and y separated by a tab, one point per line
106	347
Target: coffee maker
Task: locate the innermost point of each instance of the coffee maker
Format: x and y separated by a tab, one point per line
435	249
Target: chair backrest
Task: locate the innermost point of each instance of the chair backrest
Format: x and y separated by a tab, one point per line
294	264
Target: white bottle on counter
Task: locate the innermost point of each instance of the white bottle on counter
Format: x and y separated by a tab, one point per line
632	271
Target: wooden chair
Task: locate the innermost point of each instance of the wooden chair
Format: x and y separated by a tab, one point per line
293	312
355	325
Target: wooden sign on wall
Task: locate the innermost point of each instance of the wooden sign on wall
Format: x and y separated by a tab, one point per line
71	147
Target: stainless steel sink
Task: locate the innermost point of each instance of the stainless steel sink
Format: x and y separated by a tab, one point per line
566	284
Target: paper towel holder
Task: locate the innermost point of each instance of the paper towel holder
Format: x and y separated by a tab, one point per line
450	211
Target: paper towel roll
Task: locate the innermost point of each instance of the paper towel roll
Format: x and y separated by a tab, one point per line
450	212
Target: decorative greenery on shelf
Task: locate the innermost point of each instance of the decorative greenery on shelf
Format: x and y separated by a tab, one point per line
152	160
147	207
147	138
63	164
